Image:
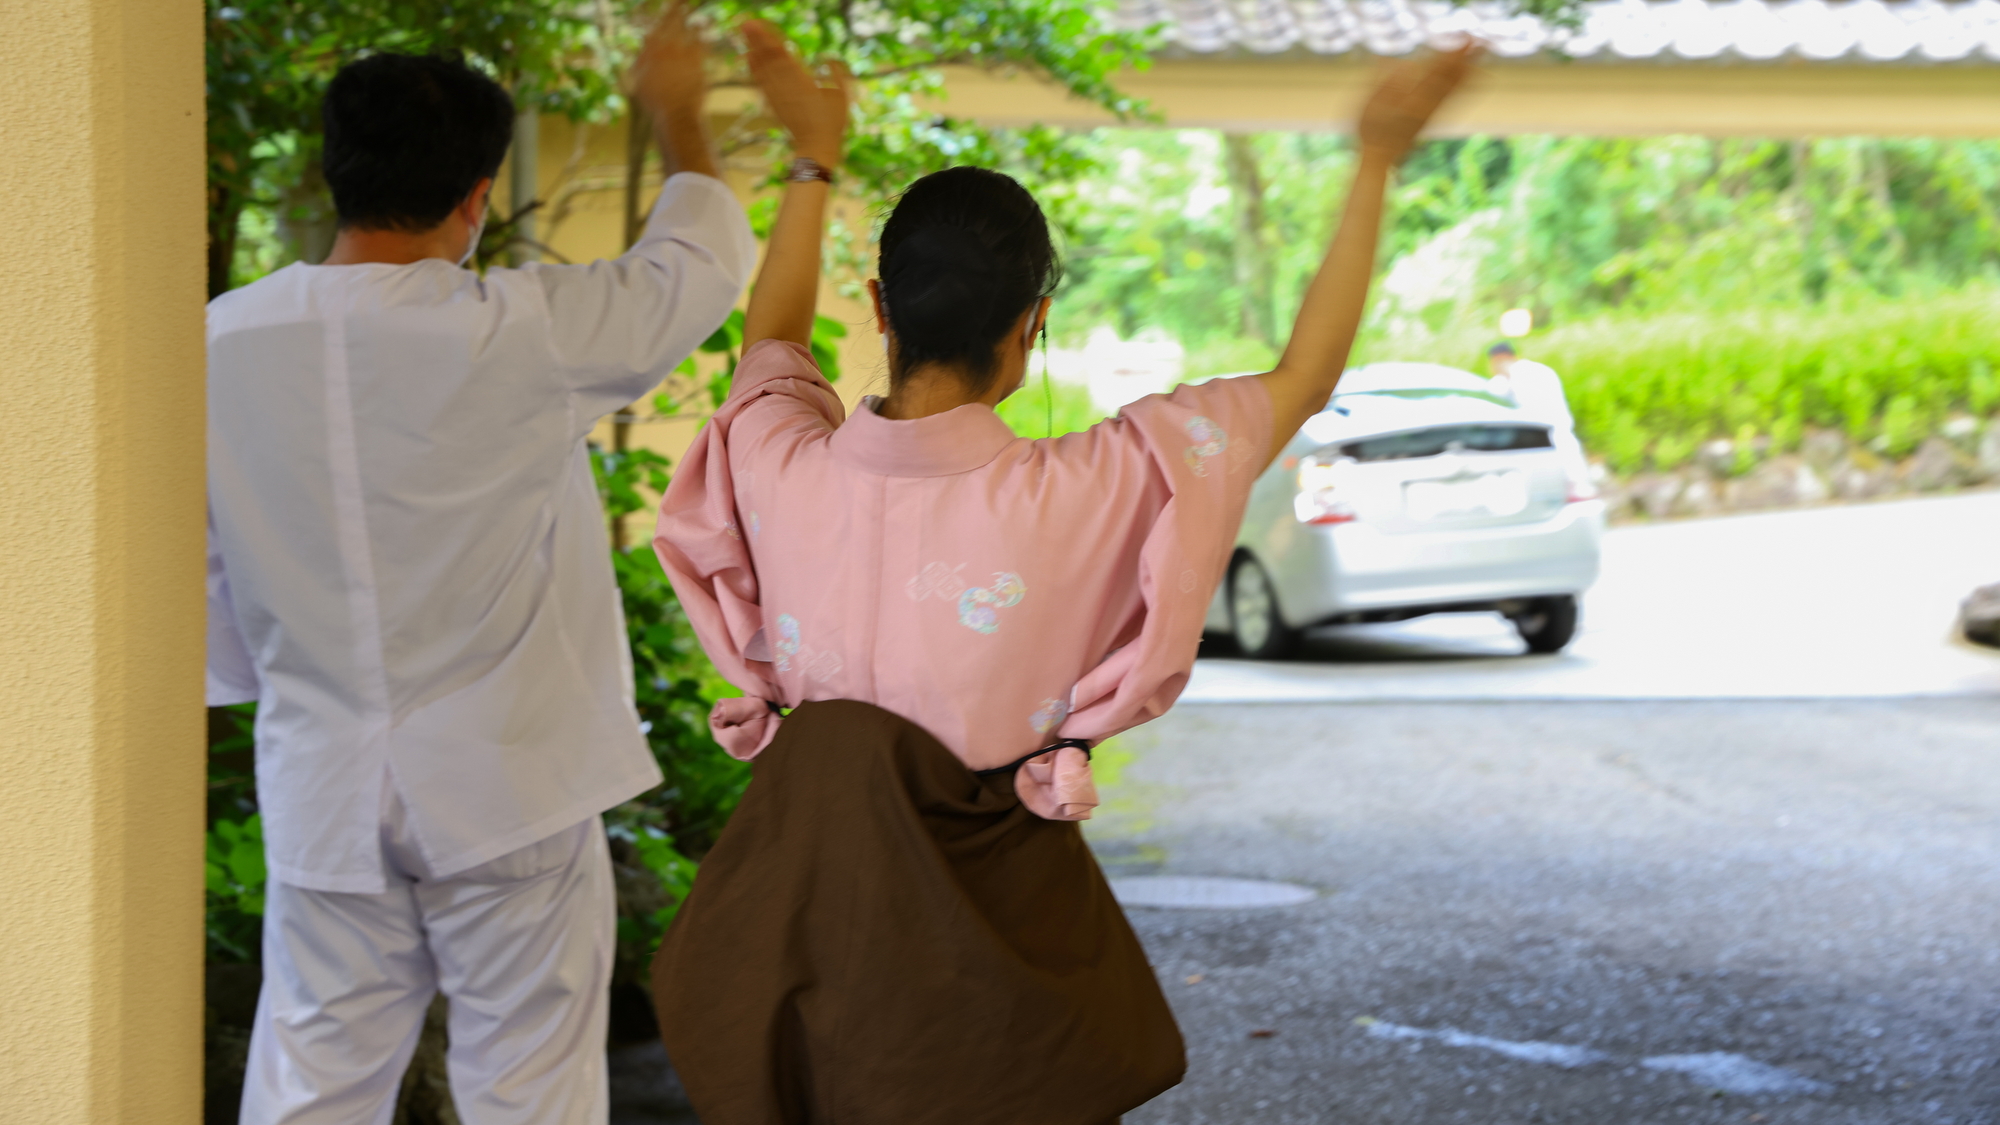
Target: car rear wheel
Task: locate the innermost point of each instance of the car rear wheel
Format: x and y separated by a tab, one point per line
1548	624
1261	632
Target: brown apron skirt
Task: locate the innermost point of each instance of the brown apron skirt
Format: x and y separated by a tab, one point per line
882	937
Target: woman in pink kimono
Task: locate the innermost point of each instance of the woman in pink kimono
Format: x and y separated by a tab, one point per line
902	924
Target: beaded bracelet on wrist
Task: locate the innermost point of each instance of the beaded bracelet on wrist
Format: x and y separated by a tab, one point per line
805	170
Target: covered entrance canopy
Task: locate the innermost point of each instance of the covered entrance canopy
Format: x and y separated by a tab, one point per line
1634	67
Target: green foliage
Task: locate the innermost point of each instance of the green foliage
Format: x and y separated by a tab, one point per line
235	888
1045	408
1697	288
1569	226
826	334
640	929
896	47
1647	391
689	386
234	896
268	63
1151	238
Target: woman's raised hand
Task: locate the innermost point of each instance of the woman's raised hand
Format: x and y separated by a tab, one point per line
1408	95
814	114
1330	314
782	302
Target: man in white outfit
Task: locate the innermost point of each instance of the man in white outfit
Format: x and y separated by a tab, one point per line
1538	391
1534	387
409	572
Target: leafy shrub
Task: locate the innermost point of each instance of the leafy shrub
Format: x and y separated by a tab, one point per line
1647	391
1045	408
235	888
674	686
234	898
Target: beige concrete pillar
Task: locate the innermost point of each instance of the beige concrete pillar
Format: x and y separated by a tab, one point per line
101	418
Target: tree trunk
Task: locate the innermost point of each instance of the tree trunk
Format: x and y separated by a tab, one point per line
525	178
1878	187
1812	279
637	138
1252	255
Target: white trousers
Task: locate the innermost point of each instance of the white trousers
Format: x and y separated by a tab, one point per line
522	946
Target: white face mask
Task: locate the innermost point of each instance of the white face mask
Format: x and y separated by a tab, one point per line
472	247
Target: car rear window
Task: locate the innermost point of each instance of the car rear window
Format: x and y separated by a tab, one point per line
1441	439
1422	393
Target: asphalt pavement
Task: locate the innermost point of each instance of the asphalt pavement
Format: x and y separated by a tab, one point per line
1610	912
1735	857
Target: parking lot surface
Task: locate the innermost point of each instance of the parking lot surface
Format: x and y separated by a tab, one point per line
1616	912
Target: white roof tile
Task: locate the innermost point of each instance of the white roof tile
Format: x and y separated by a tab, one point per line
1910	32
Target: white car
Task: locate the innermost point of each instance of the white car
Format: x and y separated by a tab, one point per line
1418	490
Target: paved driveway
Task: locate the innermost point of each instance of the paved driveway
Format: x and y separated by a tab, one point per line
1592	912
1733	857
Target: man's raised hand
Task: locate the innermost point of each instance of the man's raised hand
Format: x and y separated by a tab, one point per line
814	114
669	84
1408	95
667	78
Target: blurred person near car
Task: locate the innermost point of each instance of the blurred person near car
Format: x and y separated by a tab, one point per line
1537	391
1534	387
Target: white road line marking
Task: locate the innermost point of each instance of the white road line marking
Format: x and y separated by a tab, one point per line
1736	1074
1553	1054
1718	1070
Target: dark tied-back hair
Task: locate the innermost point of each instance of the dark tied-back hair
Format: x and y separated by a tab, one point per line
409	136
964	254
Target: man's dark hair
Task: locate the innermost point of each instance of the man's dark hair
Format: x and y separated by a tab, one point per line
1501	348
964	253
409	136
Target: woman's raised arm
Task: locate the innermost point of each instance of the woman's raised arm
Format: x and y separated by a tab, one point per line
786	292
1334	303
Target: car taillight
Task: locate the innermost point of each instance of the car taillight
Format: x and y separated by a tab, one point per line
1581	487
1319	499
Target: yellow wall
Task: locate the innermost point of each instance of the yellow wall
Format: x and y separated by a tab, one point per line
101	484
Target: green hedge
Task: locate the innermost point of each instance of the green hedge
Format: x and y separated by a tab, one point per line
1048	409
1648	392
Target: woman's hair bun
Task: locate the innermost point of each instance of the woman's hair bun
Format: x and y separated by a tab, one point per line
964	253
943	278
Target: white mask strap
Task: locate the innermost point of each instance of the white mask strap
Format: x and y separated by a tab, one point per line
472	247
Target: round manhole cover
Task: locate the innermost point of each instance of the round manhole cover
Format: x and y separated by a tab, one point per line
1202	892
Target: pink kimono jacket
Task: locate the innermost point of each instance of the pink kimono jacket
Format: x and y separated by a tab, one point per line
1000	592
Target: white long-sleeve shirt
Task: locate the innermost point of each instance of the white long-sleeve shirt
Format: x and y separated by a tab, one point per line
408	563
1538	390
